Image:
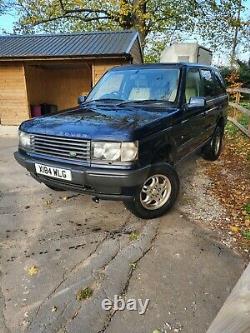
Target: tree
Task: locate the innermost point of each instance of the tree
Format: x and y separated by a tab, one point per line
147	16
222	24
3	6
225	25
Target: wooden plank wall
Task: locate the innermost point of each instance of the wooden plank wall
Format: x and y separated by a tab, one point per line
58	86
36	83
13	95
99	67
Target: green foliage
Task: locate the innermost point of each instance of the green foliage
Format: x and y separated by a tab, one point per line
146	16
243	71
247	208
244	119
231	130
246	234
159	22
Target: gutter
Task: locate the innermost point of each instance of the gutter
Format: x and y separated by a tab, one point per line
124	56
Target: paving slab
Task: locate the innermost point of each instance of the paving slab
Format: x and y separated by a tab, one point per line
56	244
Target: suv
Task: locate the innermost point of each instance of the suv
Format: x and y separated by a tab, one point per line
126	137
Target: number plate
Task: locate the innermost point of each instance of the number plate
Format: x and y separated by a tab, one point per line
53	172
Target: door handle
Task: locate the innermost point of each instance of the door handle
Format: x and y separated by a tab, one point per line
184	121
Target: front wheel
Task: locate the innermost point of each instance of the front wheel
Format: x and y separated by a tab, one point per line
157	194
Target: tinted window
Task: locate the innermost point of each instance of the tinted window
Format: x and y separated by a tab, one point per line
193	84
208	83
218	85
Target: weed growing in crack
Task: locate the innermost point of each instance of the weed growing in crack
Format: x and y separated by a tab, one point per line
83	294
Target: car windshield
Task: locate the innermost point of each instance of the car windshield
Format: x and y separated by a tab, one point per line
137	86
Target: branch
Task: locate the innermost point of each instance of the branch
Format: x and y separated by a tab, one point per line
83	10
52	19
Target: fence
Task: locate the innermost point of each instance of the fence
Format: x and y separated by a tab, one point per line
238	108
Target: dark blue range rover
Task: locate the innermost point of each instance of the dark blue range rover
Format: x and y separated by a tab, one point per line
125	138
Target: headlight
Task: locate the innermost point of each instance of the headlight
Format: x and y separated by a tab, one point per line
115	151
24	139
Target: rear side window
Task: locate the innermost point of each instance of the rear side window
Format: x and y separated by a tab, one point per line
208	83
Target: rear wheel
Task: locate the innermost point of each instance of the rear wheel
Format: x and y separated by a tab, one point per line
156	195
212	149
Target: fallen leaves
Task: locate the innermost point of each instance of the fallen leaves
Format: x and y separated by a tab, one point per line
230	184
33	270
234	229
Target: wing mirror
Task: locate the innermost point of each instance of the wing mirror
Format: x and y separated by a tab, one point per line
81	99
196	102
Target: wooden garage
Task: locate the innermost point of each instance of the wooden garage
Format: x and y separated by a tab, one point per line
49	72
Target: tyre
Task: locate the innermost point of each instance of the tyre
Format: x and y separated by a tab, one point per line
157	194
54	188
212	149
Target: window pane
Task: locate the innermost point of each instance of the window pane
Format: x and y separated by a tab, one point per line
193	84
219	85
138	85
208	84
110	84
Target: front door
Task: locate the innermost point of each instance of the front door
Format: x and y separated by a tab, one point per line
192	122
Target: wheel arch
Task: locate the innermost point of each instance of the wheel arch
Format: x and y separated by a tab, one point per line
164	153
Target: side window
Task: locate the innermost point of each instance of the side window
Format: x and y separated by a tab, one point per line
193	84
218	85
208	83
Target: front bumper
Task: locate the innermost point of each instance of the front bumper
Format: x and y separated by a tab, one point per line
102	183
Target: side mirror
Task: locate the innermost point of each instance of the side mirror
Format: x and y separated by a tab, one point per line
196	102
81	99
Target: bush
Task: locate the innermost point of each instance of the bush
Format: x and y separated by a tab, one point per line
243	71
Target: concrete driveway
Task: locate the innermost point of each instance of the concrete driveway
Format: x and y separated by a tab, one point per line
56	244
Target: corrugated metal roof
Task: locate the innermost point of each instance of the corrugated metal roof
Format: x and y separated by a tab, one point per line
67	45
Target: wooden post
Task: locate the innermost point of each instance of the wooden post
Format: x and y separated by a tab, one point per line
234	316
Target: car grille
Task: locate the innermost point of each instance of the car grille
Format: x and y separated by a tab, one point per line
77	150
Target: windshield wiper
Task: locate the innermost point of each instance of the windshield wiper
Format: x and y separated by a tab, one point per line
106	100
144	101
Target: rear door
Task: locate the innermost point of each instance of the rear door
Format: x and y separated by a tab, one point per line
216	97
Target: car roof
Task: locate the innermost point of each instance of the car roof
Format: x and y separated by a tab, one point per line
161	65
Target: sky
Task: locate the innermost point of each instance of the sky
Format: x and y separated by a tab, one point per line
7	22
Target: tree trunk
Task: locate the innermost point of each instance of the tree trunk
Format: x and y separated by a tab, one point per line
236	33
140	9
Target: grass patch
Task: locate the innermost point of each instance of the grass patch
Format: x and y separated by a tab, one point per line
245	104
83	294
231	130
134	235
243	119
247	208
246	234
